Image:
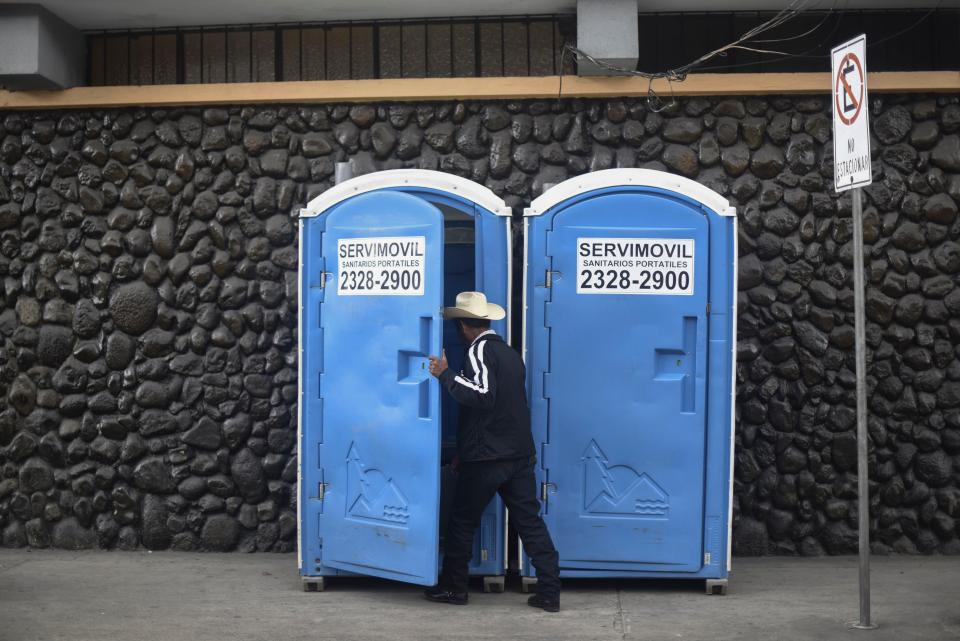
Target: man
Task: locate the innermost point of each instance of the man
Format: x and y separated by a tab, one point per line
495	451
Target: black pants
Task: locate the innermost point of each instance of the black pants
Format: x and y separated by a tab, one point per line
477	483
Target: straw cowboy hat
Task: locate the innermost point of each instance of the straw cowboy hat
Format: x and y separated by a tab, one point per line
473	305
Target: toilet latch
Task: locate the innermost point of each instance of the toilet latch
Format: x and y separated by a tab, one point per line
543	490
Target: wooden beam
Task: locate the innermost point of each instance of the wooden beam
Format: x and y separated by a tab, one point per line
421	89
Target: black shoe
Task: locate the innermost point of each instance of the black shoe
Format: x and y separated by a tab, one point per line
544	603
438	594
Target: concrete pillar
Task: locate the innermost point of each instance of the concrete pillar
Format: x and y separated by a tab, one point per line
38	50
608	30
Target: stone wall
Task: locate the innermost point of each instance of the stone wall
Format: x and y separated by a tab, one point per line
148	319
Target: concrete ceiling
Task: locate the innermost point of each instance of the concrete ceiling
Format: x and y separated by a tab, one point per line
137	14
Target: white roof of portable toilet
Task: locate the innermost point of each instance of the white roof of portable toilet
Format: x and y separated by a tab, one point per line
626	177
392	178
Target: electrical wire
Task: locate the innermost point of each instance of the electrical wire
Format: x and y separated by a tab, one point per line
806	33
806	54
809	55
746	42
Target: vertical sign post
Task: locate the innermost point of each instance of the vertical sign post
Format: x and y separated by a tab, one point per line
851	170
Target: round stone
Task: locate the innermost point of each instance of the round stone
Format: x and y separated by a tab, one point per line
28	311
69	534
681	159
845	451
134	307
153	475
683	130
247	473
220	533
55	344
86	319
384	139
839	538
152	394
363	115
37	534
127	538
735	159
119	350
946	155
273	163
494	118
236	429
924	135
440	137
941	209
14	535
893	125
279	230
23	394
767	162
9	215
934	468
36	475
205	435
730	108
909	236
750	537
316	144
801	155
153	519
157	342
192	488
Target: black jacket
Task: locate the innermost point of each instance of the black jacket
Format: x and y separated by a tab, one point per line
494	416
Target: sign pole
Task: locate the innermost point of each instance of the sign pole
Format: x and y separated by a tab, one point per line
863	481
853	170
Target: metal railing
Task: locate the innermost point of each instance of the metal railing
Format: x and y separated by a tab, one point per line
906	40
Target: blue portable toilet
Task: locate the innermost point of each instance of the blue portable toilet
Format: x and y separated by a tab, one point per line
380	256
629	340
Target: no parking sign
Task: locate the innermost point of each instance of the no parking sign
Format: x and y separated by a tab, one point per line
851	169
851	127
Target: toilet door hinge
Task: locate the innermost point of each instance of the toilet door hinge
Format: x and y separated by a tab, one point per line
708	309
706	558
483	555
323	279
321	490
548	278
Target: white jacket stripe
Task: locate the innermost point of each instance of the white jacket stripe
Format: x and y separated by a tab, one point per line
479	382
468	384
482	374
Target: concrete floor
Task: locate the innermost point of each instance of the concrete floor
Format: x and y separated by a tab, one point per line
141	596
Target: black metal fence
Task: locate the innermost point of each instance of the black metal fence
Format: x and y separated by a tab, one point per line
527	46
899	40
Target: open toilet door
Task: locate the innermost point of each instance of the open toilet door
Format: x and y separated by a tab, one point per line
377	300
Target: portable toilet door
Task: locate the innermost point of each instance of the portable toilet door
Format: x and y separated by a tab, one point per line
380	256
629	327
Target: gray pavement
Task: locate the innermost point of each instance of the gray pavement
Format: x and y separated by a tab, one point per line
141	596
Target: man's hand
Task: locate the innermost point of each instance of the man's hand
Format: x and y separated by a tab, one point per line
438	365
